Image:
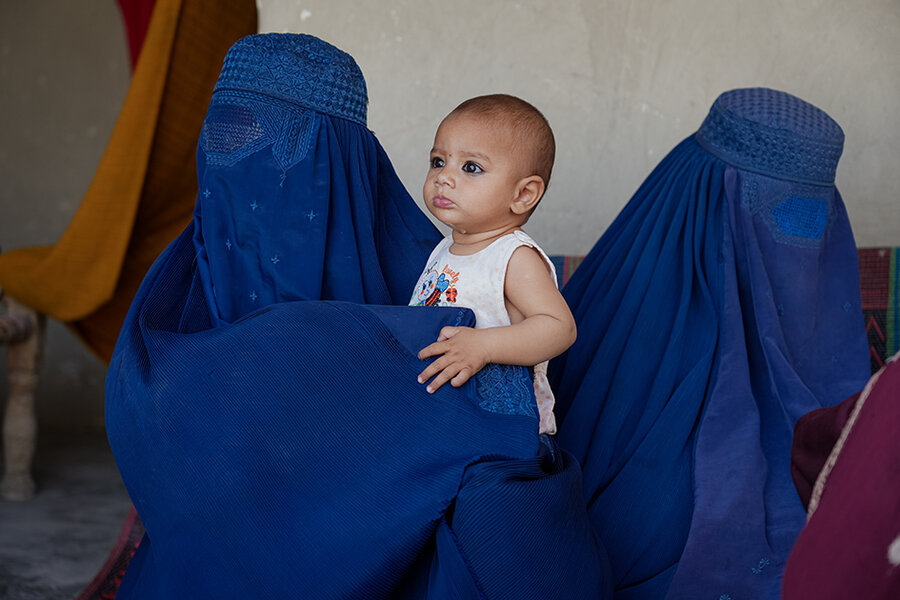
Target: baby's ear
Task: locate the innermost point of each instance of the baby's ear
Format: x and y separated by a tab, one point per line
529	192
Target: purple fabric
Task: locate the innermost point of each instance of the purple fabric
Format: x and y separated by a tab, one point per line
814	437
844	550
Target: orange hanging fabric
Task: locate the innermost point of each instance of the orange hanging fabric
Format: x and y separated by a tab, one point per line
144	190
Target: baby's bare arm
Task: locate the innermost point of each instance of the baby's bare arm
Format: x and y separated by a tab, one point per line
546	328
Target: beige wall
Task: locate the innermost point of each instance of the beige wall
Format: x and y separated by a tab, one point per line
621	82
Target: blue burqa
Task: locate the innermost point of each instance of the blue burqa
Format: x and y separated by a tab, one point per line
721	305
262	402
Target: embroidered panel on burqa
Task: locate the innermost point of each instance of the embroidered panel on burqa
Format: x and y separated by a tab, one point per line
721	305
262	402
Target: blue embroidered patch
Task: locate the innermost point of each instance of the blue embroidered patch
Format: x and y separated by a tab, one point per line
802	217
506	389
295	136
796	214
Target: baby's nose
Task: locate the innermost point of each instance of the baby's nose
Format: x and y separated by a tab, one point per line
443	178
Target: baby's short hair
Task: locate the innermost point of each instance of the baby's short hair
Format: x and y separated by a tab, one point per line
526	124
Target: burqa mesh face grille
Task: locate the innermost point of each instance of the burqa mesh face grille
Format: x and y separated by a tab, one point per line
228	130
802	217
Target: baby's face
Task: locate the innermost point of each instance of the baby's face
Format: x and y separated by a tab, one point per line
473	176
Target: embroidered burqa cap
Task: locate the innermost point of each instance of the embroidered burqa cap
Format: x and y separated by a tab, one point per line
262	402
721	305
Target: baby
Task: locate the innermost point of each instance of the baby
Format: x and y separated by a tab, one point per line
489	167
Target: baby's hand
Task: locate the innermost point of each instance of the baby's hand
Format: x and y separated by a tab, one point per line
464	354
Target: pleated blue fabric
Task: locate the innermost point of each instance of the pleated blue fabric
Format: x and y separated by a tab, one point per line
721	305
262	402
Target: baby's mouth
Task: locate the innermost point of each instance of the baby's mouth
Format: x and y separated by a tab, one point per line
442	202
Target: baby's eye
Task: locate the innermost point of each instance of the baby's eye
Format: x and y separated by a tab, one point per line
436	162
471	167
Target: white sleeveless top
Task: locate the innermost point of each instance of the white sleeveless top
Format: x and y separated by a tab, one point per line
476	281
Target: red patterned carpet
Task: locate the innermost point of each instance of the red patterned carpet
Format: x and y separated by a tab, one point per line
106	583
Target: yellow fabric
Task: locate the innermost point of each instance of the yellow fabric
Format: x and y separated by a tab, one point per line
144	190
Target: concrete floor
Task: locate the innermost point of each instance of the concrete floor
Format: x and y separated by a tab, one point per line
53	545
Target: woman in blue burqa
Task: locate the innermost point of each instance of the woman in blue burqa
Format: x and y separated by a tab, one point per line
262	402
720	306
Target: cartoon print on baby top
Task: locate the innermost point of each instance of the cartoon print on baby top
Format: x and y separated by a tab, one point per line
433	284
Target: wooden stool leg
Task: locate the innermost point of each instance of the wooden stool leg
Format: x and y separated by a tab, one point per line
19	424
